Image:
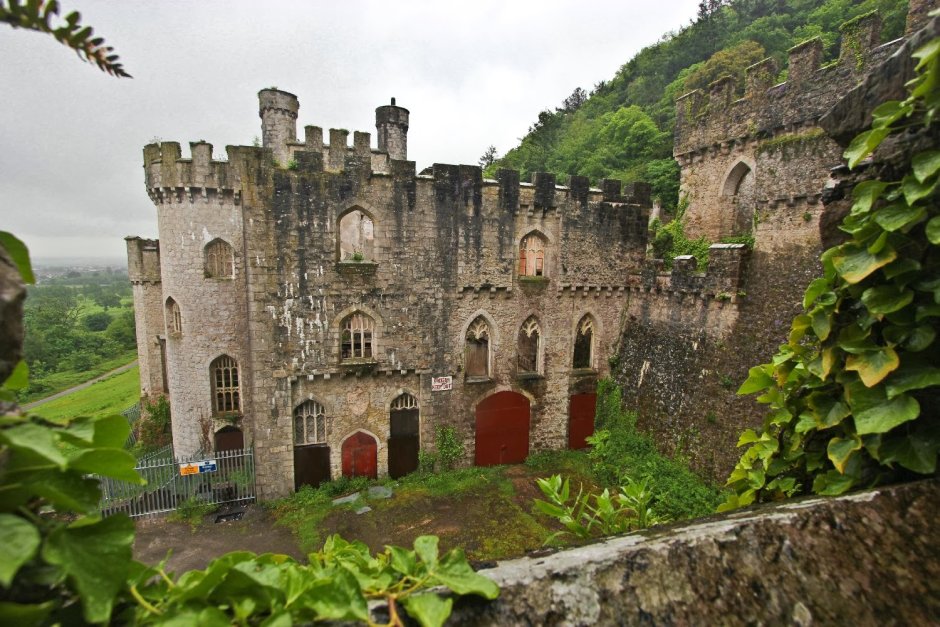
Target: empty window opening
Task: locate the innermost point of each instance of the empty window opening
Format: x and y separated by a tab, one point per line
478	349
219	260
356	237
532	255
529	346
357	337
405	401
310	423
584	344
174	318
225	395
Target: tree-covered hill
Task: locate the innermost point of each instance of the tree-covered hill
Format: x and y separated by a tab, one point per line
624	127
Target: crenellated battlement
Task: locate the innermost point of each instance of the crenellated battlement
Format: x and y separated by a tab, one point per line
714	119
170	176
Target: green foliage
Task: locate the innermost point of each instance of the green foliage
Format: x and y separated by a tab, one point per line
97	321
450	448
154	428
18	254
61	562
38	15
619	452
337	584
853	394
609	514
669	241
728	62
292	164
641	96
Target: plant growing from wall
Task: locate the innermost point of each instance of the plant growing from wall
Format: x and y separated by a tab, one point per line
607	515
854	395
450	448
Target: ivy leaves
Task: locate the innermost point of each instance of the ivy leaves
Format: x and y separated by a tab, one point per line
853	395
337	584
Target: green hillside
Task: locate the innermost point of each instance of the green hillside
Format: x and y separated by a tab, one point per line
624	127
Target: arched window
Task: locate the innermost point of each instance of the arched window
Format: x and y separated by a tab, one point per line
310	423
356	237
584	343
532	255
478	349
225	395
220	262
530	340
405	401
357	333
174	318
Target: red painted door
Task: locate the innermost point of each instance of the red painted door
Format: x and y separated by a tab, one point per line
359	456
502	435
581	419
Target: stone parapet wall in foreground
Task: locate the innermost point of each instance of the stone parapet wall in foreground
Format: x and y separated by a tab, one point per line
871	558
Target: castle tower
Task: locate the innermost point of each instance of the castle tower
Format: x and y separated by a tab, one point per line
392	124
278	111
143	270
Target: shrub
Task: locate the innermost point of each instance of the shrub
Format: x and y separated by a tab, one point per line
450	448
97	321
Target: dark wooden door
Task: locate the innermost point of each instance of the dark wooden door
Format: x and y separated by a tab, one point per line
229	439
581	419
502	429
311	465
359	456
403	443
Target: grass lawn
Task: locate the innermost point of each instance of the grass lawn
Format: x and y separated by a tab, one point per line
64	380
111	396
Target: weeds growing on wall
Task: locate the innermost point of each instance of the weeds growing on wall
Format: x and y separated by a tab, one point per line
621	454
669	240
854	394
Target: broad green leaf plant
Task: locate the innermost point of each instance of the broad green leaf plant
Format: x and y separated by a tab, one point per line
854	394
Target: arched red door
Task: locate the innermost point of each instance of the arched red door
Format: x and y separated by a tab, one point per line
581	419
502	434
359	456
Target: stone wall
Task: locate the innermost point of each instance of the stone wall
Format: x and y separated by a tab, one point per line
143	270
871	558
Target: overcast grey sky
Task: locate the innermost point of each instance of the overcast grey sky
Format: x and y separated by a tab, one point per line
472	74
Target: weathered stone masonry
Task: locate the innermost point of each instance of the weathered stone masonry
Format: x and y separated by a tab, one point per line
443	251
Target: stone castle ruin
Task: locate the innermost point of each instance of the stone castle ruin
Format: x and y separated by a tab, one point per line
332	307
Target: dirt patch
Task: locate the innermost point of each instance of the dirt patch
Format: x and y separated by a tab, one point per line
195	548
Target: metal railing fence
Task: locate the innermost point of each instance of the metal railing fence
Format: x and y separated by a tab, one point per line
222	477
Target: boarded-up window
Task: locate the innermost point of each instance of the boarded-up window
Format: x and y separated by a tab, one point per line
529	344
310	423
225	395
174	318
219	260
584	344
532	255
356	237
357	333
478	349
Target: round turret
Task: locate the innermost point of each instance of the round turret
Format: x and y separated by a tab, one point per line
392	124
278	111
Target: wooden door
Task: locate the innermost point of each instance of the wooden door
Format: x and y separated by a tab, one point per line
502	429
581	419
229	439
403	443
360	456
311	465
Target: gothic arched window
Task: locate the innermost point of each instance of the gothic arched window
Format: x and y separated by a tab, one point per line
584	343
357	335
225	394
220	259
310	423
532	255
478	348
530	340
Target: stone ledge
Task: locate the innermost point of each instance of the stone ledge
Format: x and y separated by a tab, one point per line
868	558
